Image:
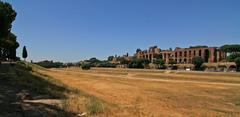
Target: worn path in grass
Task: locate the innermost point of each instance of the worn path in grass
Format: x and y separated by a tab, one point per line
143	93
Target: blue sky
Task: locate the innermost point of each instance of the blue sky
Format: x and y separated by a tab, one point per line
72	30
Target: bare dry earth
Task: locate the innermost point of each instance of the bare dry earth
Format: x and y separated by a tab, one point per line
158	93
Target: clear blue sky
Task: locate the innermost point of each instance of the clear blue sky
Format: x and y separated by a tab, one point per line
72	30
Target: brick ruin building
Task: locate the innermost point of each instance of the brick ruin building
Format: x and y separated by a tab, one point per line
182	55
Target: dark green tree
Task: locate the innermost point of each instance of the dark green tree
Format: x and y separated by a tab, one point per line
24	53
159	62
172	62
86	66
138	63
110	58
234	48
232	57
159	56
122	60
8	41
197	61
237	61
7	16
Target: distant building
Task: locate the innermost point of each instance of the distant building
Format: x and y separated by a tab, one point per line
182	55
150	54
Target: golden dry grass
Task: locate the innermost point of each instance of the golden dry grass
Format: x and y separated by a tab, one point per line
156	93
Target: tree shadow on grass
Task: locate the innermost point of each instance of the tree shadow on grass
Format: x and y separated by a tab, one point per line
17	84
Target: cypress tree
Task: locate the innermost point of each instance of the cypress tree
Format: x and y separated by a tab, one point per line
24	53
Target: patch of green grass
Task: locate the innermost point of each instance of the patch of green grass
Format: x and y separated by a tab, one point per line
237	103
94	106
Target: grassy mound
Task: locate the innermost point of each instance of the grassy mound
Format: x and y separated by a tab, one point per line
26	92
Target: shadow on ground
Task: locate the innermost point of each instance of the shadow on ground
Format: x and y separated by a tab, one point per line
18	84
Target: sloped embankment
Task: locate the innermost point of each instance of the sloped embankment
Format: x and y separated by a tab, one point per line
24	92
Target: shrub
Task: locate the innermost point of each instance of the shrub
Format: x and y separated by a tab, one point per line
106	64
172	62
232	57
159	62
197	61
237	61
231	48
50	64
138	63
86	66
94	106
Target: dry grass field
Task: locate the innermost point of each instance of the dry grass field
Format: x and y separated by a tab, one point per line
153	93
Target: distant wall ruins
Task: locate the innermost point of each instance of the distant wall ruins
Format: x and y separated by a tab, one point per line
182	55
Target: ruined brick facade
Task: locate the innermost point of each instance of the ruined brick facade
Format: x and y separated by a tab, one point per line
149	54
182	55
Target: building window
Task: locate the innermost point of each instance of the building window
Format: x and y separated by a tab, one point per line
200	52
185	54
190	53
180	54
194	53
176	54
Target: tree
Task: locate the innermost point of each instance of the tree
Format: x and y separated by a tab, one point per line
24	53
237	61
110	58
172	62
198	61
232	57
158	56
7	16
8	41
234	48
123	60
138	63
93	60
86	66
199	46
138	50
10	45
159	62
50	64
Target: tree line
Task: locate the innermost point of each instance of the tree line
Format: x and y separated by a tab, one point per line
234	54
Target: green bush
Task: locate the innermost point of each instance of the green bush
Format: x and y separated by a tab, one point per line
106	64
198	61
172	62
232	57
160	63
50	64
138	63
94	106
237	61
86	66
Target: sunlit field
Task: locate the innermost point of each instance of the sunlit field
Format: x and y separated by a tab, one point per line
156	93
